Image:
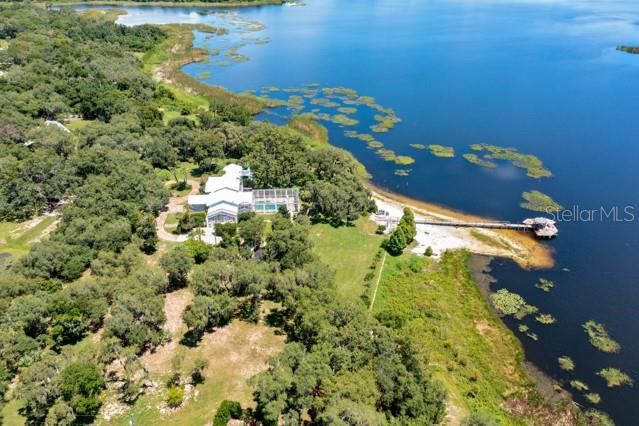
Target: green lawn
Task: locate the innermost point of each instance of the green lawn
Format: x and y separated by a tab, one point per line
10	414
15	241
349	251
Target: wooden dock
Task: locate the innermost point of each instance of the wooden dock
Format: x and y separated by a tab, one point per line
540	226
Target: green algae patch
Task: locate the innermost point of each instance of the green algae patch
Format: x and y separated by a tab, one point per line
475	159
533	165
615	377
539	202
599	338
442	151
566	363
347	110
344	120
417	146
545	285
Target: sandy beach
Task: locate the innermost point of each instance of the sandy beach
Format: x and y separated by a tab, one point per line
518	246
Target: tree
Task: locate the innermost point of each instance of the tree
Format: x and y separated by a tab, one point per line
228	410
197	372
148	234
81	385
207	312
290	247
177	263
396	243
60	414
428	252
251	232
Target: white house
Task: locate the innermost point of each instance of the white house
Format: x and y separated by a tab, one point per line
225	197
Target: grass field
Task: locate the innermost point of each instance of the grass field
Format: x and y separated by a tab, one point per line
349	251
439	307
16	238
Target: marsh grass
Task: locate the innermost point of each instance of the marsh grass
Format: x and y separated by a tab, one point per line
437	308
566	363
546	319
593	398
475	159
442	151
539	202
579	385
615	377
599	338
545	285
533	165
344	120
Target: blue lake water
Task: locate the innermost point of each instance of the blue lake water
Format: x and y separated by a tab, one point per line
541	75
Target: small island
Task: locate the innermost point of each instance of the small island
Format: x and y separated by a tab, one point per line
629	49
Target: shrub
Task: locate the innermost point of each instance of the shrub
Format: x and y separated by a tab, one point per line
428	252
174	396
228	410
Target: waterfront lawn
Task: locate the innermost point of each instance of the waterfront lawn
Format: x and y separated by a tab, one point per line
349	251
439	308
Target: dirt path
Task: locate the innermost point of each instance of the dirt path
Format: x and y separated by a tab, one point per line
379	278
176	205
175	304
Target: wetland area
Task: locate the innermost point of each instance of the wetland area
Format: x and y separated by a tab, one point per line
470	105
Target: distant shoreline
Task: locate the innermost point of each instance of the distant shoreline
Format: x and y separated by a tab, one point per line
128	3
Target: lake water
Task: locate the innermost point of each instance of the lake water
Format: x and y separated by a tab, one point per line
541	75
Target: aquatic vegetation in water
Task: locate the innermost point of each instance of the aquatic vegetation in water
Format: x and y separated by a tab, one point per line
327	103
347	110
205	74
475	159
629	49
545	285
593	398
387	154
344	120
545	319
566	363
539	202
615	377
523	328
384	123
223	64
508	303
578	385
532	336
599	337
477	147
442	151
533	165
375	144
313	85
404	160
402	172
417	146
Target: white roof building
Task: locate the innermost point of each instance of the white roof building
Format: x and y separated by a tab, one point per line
226	198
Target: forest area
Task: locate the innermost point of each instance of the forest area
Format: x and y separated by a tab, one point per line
90	296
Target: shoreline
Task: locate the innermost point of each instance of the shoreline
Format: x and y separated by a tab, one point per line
522	248
204	5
